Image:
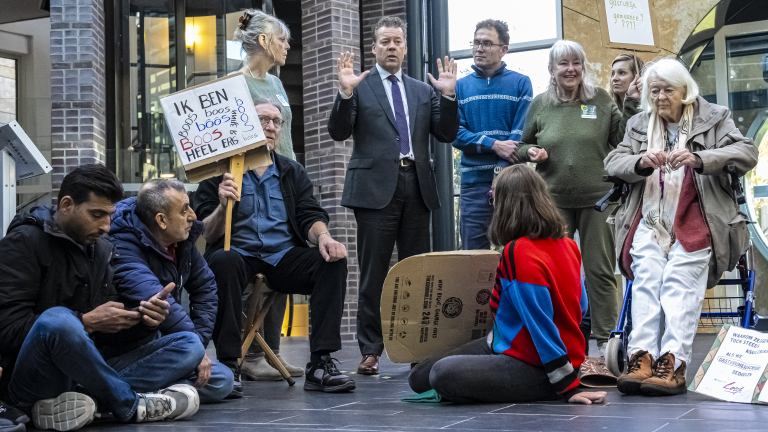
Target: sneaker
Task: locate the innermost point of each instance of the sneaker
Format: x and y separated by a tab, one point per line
70	411
11	419
186	398
293	371
154	407
237	388
639	368
324	376
256	368
601	350
665	381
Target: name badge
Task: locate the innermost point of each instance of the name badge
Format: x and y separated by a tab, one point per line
282	100
589	111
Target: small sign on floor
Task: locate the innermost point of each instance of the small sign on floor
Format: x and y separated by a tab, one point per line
735	369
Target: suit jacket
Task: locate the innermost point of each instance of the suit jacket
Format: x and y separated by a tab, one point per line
367	116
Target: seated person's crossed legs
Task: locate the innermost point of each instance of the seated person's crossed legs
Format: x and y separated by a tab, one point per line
69	349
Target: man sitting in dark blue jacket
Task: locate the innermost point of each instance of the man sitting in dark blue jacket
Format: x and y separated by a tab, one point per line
154	235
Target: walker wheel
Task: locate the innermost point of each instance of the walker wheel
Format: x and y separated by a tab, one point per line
615	356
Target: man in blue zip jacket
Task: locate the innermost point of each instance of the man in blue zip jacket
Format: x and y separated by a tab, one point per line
493	103
154	236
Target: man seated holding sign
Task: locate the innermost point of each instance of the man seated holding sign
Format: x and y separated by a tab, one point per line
154	235
271	224
68	347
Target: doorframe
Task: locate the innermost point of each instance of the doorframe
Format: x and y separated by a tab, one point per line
721	81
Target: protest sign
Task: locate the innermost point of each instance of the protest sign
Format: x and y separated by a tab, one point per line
434	302
216	129
734	370
213	121
628	24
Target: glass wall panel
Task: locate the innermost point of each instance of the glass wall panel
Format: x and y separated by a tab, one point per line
8	91
151	45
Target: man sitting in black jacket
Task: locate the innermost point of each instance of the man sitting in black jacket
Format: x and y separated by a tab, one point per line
271	225
61	330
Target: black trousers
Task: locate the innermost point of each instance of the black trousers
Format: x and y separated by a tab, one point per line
474	373
301	271
405	221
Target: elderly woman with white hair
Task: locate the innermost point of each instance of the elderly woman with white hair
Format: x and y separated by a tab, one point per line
680	227
568	132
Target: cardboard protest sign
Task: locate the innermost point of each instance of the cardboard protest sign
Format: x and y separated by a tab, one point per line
735	369
434	302
628	24
213	121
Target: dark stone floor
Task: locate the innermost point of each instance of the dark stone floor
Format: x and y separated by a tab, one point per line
375	406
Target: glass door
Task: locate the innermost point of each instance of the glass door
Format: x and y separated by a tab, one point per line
742	78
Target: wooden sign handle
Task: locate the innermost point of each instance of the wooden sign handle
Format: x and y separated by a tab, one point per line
236	165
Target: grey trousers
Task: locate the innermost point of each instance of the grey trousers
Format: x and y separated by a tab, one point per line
474	373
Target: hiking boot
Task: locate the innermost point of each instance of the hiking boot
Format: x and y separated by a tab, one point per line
639	368
324	376
256	368
70	411
172	403
665	381
237	388
11	419
292	370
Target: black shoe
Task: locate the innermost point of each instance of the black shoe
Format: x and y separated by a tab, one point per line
11	419
237	389
324	376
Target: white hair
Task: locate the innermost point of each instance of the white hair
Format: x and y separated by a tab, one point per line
259	24
566	48
673	72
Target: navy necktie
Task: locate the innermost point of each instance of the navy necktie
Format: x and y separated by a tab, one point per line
400	120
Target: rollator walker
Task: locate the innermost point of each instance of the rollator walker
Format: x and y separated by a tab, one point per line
719	310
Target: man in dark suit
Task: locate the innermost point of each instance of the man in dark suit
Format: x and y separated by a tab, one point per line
390	182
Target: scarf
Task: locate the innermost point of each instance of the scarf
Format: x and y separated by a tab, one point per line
662	188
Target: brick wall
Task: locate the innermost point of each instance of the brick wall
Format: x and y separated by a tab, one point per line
328	29
372	11
78	122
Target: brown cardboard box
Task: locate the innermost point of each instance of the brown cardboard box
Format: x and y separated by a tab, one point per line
434	302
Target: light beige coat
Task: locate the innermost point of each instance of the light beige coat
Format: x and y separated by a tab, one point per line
715	139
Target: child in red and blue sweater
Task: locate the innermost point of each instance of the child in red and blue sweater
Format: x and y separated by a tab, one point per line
536	347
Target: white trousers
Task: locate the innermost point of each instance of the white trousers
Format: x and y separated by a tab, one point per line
669	289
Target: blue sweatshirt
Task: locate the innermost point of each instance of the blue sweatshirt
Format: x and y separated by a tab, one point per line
491	108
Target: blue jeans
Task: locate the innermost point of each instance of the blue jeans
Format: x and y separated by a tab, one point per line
476	215
219	385
57	354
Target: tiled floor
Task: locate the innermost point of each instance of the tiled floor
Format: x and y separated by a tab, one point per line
375	406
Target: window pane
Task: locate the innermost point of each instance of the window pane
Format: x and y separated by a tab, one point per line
531	63
527	20
7	90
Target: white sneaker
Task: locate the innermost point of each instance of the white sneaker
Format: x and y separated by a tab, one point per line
187	400
601	349
70	411
173	403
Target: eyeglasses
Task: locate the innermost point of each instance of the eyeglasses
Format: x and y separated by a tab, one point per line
278	122
485	44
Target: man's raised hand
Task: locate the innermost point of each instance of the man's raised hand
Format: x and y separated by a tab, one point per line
347	78
156	308
446	80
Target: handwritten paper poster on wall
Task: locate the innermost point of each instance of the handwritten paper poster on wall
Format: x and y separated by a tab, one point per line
733	371
627	23
212	121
